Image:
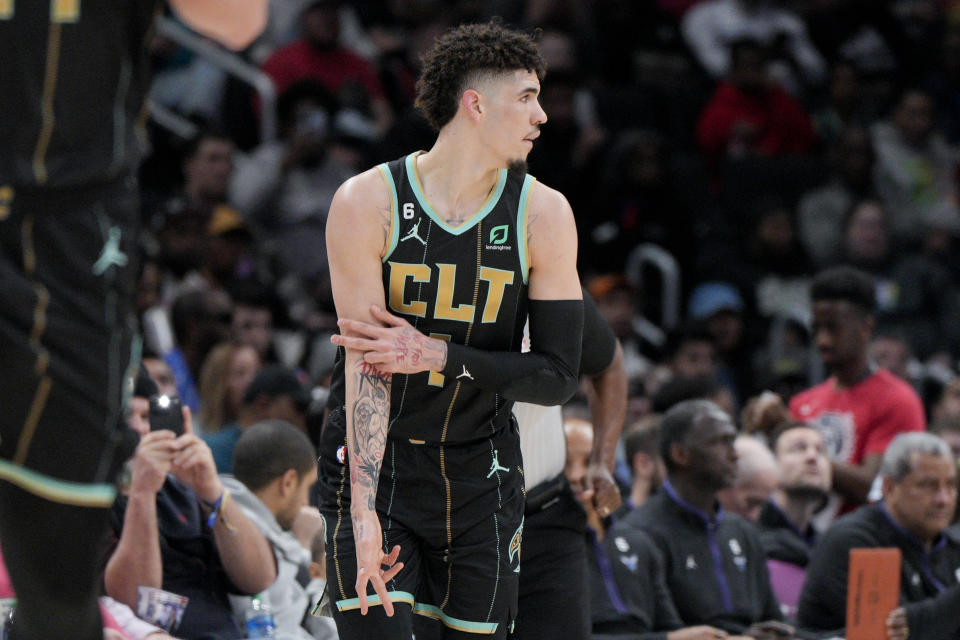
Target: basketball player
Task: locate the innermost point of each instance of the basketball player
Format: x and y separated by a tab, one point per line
73	81
421	473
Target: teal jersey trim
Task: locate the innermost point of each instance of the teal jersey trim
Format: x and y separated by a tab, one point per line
414	179
60	491
528	181
394	216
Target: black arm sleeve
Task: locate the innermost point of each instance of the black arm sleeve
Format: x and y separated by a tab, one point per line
546	375
599	341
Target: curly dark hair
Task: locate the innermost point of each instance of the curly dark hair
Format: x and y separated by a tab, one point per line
461	55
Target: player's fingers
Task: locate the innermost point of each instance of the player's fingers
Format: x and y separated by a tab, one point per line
380	357
387	317
350	342
389	574
356	326
392	557
381	589
361	587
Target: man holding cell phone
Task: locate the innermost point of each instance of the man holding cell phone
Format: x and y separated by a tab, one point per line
175	527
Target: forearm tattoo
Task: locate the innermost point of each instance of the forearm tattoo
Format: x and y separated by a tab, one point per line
371	417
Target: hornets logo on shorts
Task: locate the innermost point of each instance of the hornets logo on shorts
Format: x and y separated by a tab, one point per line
514	551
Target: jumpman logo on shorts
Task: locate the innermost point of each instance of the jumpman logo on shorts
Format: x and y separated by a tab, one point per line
465	374
414	233
495	465
111	254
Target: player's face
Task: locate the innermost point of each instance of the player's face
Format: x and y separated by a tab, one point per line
923	502
802	456
840	330
514	115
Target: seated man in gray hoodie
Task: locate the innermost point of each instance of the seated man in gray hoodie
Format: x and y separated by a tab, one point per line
274	467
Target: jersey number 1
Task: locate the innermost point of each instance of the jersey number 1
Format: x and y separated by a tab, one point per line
61	11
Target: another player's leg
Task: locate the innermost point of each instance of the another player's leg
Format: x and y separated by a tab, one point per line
51	554
66	266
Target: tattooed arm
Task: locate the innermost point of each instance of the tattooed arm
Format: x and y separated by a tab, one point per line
548	373
357	230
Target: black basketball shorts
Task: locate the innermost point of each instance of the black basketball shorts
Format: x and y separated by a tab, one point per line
457	513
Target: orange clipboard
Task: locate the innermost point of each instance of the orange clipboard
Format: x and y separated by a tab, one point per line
873	591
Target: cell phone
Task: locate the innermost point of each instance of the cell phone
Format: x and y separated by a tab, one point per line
166	412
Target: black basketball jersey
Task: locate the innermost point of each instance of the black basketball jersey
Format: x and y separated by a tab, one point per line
465	284
73	76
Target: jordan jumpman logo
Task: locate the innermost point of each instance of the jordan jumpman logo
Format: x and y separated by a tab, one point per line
414	233
111	253
495	465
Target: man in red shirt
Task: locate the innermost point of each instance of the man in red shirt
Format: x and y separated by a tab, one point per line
319	56
750	115
859	409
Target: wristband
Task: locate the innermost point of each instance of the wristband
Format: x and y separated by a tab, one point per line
217	512
214	509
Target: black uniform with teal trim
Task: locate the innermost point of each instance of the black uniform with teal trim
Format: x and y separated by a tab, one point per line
450	490
73	80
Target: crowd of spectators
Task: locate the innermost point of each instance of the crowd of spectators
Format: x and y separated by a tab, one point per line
754	142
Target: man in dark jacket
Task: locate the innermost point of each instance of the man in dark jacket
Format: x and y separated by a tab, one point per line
715	566
919	495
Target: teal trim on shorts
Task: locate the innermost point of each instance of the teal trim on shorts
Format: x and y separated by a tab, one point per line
428	610
528	181
414	179
396	596
394	215
61	491
485	628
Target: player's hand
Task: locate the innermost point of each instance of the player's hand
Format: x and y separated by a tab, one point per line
152	462
897	625
371	559
605	492
702	632
394	348
193	463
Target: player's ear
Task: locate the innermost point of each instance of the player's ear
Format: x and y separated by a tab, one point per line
471	103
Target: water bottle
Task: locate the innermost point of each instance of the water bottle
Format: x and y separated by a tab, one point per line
7	605
260	619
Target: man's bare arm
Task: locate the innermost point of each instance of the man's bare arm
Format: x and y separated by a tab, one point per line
357	227
608	408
